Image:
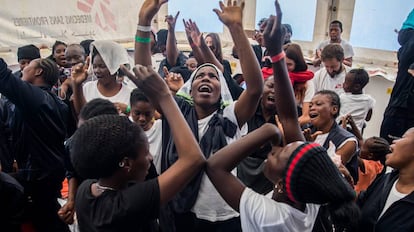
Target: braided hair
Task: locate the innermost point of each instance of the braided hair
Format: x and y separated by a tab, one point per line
379	147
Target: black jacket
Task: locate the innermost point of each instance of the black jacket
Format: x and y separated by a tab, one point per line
37	120
398	217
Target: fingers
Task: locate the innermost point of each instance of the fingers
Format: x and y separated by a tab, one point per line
278	12
87	62
221	4
242	5
269	25
176	15
217	11
129	74
165	70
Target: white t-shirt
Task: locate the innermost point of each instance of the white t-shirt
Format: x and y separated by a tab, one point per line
310	91
357	105
210	205
393	196
90	91
348	50
260	213
323	81
154	135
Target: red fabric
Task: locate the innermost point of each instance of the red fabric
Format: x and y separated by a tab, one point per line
267	72
65	189
300	76
294	76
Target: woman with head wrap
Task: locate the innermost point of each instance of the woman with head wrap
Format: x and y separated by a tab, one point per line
215	121
106	58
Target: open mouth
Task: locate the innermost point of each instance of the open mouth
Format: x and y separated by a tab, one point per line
313	115
204	89
271	98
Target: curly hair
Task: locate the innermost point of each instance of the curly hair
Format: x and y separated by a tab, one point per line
102	142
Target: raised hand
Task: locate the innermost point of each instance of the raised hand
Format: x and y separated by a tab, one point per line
193	33
309	136
80	72
174	80
171	21
148	81
232	14
274	33
150	8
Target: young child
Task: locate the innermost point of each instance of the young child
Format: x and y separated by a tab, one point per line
354	101
143	114
371	161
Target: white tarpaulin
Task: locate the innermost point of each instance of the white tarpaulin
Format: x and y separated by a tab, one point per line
44	21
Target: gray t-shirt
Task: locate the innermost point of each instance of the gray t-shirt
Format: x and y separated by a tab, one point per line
348	50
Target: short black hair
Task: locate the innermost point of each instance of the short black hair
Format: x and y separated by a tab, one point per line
102	142
57	43
335	100
86	45
97	106
288	28
136	96
337	22
361	77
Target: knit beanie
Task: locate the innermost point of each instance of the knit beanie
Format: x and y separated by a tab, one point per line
311	177
29	52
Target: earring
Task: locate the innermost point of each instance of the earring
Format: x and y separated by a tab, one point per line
121	164
279	187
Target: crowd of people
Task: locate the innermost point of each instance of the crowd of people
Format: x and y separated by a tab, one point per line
176	142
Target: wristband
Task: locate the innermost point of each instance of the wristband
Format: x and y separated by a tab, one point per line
143	28
142	40
278	57
128	109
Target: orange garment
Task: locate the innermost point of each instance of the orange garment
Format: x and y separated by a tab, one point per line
372	169
65	189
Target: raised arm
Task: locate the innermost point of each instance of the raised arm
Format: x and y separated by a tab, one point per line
232	15
285	100
190	158
172	50
78	76
148	9
219	166
203	53
24	95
